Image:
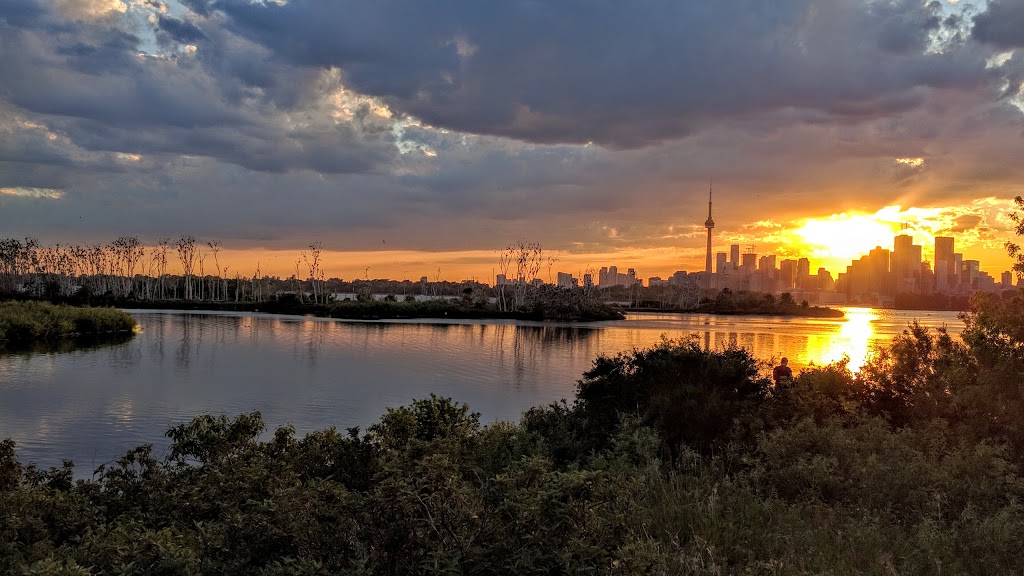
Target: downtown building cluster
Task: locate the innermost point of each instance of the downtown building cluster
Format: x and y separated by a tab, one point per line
903	271
878	276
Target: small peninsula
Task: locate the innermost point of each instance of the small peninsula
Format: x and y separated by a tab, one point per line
27	324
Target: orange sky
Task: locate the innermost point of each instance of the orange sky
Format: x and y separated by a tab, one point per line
829	241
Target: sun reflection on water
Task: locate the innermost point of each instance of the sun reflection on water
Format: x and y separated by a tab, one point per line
854	340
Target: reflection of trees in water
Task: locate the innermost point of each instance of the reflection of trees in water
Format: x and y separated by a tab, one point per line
183	355
315	334
517	348
76	344
126	355
193	332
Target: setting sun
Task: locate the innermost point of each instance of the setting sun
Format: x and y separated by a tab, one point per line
843	236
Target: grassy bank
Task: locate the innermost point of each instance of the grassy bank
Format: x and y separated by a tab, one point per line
672	460
25	324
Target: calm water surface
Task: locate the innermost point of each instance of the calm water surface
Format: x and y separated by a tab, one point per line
91	406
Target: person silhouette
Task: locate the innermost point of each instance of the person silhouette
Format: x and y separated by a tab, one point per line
782	374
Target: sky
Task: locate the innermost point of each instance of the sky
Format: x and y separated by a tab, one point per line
420	138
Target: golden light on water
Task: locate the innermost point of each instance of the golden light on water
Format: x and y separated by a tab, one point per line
854	340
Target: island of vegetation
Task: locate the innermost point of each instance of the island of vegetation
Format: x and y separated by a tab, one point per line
672	460
728	302
29	324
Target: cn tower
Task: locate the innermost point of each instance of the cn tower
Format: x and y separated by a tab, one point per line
709	225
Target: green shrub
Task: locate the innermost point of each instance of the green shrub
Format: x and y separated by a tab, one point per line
25	323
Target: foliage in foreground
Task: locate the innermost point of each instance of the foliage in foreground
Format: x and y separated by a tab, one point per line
672	460
25	323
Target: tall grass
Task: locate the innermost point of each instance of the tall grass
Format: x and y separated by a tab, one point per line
27	323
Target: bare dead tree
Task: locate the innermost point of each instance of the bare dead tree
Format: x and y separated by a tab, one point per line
162	248
312	260
214	248
551	260
202	273
528	258
504	261
186	246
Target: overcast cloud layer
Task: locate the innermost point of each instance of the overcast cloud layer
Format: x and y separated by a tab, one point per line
460	124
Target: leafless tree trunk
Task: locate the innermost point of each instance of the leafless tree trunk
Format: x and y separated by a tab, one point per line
186	246
215	247
313	263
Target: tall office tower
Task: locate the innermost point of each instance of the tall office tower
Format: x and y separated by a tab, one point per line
768	273
879	262
906	264
1007	280
602	277
734	256
970	272
613	276
709	224
916	259
901	249
945	273
630	277
803	269
825	281
721	262
749	263
787	274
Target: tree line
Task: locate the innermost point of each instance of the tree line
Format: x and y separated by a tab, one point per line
128	269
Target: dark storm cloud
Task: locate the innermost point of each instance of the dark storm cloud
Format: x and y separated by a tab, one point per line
618	73
1002	24
21	13
182	31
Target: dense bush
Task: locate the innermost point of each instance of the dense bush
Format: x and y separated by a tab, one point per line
673	460
25	323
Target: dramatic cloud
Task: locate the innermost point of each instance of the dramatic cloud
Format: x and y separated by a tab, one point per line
621	74
1002	24
453	125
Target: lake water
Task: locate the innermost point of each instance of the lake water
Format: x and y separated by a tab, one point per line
91	406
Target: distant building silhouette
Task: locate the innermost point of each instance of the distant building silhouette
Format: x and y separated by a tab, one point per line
946	268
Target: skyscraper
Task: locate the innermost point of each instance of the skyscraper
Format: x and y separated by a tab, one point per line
709	224
901	256
721	262
945	267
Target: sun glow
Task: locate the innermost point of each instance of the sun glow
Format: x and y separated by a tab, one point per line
843	237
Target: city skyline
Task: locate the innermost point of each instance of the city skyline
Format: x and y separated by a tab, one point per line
554	268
